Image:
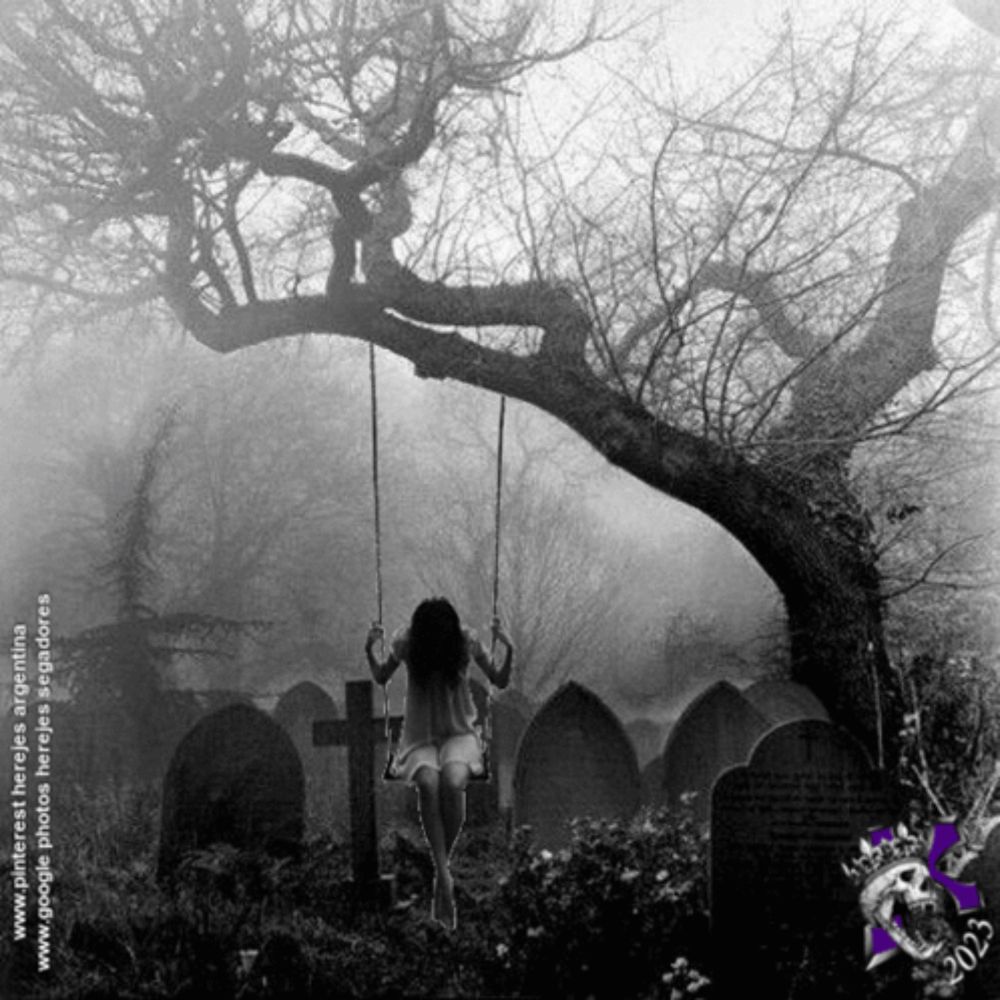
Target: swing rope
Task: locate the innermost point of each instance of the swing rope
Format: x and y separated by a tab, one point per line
487	715
496	519
377	508
375	489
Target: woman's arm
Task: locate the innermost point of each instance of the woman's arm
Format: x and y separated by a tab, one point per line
498	676
381	671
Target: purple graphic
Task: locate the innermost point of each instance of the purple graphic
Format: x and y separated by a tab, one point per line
967	897
965	894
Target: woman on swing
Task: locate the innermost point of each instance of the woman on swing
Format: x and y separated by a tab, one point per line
439	748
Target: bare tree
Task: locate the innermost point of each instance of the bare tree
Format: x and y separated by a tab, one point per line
726	310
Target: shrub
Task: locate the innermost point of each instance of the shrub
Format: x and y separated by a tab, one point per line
608	915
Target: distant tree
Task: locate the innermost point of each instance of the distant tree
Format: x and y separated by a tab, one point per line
725	296
117	668
271	517
271	506
193	518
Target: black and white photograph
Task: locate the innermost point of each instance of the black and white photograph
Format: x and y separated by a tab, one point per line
500	499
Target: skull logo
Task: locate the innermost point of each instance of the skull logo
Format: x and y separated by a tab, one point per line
899	899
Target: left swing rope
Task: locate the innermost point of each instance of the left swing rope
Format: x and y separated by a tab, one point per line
377	512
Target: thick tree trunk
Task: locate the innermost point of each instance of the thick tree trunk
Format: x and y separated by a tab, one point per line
838	650
806	531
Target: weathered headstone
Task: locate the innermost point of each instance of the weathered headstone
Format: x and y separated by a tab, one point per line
781	826
784	701
326	776
984	872
302	705
574	759
716	731
235	778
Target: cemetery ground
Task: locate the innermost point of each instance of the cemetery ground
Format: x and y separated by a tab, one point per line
619	912
234	875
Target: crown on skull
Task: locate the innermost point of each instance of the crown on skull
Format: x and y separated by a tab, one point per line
875	859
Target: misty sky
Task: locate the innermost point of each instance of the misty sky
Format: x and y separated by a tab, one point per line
700	567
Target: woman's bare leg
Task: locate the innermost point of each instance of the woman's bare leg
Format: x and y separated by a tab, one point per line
454	778
429	801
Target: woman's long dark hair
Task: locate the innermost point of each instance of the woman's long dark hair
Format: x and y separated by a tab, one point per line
437	645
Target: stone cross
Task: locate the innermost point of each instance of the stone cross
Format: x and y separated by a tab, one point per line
360	732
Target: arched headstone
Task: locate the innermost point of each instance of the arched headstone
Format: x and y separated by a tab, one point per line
574	759
717	730
784	701
781	827
301	705
325	768
235	778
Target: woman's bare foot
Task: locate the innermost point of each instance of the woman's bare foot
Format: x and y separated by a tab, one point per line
443	906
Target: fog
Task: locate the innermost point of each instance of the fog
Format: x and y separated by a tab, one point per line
262	511
257	502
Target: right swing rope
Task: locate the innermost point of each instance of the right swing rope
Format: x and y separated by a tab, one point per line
375	489
488	714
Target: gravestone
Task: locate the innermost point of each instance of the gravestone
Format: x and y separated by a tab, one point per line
235	778
325	770
984	872
574	759
717	730
301	705
781	827
784	701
